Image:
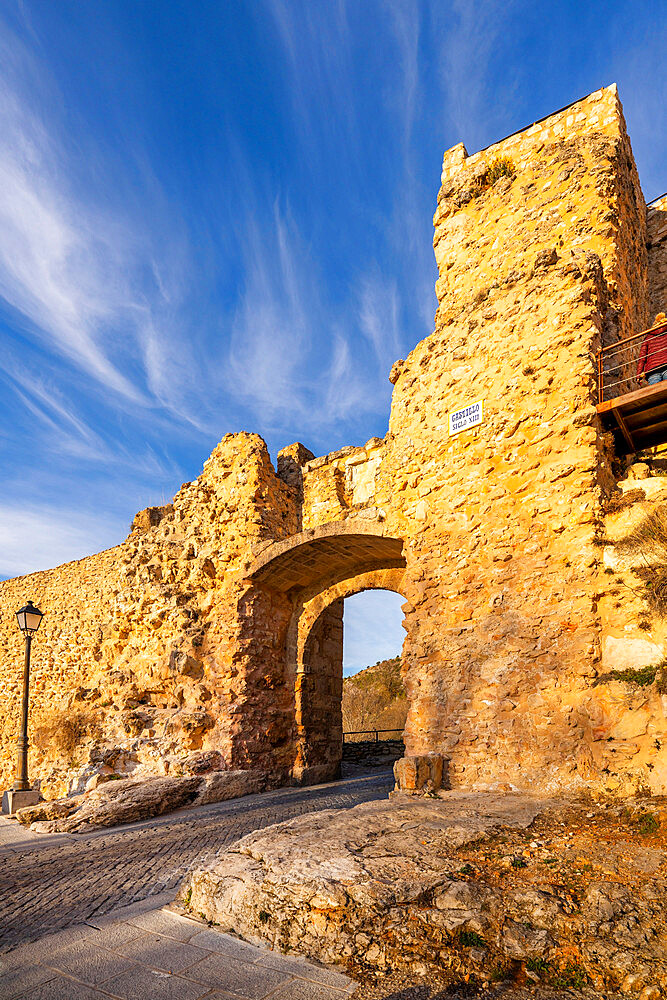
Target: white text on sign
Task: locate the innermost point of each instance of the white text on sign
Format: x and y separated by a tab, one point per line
468	416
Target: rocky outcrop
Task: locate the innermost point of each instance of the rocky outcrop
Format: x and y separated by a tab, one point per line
126	801
488	886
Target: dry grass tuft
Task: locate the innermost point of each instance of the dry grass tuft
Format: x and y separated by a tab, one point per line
499	167
620	501
648	543
648	538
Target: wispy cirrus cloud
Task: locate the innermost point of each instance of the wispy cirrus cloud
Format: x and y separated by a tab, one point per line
380	316
60	263
469	34
293	355
59	429
35	536
318	48
270	330
87	279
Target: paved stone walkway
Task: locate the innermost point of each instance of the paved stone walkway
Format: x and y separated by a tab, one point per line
160	955
51	882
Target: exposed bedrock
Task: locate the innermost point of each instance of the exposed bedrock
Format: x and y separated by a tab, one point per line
485	884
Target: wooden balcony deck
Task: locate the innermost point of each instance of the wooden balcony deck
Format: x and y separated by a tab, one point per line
638	418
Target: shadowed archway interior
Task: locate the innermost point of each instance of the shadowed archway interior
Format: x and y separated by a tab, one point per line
316	571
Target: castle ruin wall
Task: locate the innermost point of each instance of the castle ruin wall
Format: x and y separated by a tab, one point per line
217	623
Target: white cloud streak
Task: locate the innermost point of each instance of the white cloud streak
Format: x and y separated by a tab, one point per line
283	325
37	537
379	316
482	76
91	282
58	265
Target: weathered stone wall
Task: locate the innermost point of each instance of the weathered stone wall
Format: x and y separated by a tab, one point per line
138	649
217	623
79	598
342	484
502	565
319	695
657	255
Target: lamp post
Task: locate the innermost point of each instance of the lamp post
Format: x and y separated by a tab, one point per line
29	619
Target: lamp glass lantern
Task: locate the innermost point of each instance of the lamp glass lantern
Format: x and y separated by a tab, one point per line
29	618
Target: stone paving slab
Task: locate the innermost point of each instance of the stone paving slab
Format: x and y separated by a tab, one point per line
62	989
240	979
15	839
16	982
168	923
91	965
161	953
129	959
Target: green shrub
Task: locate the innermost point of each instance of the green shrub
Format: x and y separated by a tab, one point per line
661	678
647	824
642	676
470	939
569	975
537	965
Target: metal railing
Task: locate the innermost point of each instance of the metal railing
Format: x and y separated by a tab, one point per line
617	366
368	732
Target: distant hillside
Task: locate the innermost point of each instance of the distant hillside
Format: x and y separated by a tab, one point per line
375	698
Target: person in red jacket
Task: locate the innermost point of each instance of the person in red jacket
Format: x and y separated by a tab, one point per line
652	362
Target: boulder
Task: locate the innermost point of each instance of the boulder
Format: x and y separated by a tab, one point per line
424	773
127	801
223	785
55	809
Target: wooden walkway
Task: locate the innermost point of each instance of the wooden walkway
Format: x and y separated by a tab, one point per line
638	418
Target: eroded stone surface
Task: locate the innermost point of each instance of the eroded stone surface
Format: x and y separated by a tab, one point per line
481	884
127	801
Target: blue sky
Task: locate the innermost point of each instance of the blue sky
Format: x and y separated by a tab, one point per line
217	216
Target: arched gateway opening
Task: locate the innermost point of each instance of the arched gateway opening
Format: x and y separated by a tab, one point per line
309	576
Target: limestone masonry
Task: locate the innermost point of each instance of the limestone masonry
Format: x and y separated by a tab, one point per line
211	639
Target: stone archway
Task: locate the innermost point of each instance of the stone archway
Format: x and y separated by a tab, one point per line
315	656
311	574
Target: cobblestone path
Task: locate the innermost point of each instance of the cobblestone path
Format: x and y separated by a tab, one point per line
47	888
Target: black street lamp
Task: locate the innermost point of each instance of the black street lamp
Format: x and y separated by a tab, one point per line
29	618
